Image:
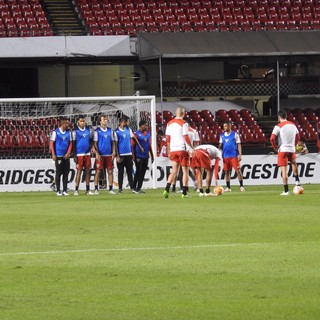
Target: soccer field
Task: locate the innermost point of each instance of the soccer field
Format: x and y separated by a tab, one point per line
252	255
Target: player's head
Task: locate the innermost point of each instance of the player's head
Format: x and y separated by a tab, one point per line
64	123
227	126
282	115
143	125
161	133
180	112
81	122
124	121
103	120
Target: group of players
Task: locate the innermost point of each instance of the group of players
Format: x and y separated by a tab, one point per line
183	153
182	148
120	144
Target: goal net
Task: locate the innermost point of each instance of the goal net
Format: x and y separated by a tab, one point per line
26	124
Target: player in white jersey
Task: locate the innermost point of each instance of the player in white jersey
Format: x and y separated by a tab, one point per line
177	141
202	161
288	136
194	138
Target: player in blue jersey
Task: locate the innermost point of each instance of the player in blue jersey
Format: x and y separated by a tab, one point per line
105	152
230	145
143	135
61	147
82	137
122	136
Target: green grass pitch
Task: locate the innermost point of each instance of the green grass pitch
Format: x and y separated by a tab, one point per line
252	255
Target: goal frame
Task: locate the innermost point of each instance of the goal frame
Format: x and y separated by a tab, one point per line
137	98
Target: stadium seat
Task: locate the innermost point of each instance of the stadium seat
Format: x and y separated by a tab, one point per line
168	115
158	117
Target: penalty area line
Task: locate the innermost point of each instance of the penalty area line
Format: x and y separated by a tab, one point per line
128	249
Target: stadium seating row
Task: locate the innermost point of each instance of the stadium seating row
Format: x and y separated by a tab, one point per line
129	17
23	18
307	122
210	126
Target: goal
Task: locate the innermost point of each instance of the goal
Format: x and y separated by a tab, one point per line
26	124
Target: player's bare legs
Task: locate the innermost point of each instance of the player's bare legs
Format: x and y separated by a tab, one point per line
110	181
284	174
208	180
228	178
295	172
185	176
96	180
78	177
240	178
173	175
175	167
199	175
239	174
174	182
87	180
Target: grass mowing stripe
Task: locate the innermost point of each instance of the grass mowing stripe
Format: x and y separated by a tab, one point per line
205	246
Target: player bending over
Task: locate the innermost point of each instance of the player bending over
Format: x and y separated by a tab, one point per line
201	161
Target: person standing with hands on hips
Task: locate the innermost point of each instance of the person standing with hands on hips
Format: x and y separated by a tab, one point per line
61	147
141	158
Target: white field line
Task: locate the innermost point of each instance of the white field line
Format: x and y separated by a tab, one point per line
223	245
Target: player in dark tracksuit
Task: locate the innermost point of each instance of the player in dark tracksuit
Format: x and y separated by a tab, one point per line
122	136
61	147
141	158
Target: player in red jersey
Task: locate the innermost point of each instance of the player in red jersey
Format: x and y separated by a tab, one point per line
288	136
201	161
177	141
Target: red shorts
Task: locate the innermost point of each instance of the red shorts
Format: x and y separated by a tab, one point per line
104	163
181	157
231	163
84	162
285	157
201	159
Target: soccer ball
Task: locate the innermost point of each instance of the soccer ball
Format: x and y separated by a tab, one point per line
298	190
218	190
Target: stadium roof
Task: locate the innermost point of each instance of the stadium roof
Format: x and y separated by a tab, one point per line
227	44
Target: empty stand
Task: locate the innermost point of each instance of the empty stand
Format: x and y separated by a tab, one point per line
201	16
23	19
210	126
118	17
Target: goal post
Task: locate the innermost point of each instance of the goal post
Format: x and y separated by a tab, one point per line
26	123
